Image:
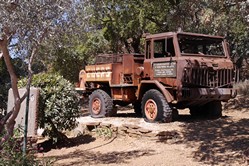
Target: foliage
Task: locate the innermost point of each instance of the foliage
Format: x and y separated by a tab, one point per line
11	153
121	20
105	132
24	27
51	19
74	58
20	68
58	103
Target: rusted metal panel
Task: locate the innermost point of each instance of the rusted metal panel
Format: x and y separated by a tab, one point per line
116	74
126	94
165	92
160	35
101	72
109	58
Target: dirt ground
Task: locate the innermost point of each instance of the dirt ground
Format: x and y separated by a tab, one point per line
223	141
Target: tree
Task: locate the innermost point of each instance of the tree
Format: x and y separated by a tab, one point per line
74	58
25	26
122	20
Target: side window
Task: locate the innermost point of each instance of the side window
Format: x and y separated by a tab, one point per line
148	53
164	48
170	47
159	48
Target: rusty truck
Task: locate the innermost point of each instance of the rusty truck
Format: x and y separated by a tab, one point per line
177	70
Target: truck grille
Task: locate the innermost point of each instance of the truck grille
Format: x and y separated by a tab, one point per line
208	77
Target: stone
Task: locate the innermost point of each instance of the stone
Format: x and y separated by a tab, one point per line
105	125
133	131
165	133
122	128
131	126
150	134
92	125
133	135
121	132
114	129
142	130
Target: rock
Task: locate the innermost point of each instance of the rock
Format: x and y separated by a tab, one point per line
121	132
123	128
142	130
166	133
131	126
91	125
133	135
114	129
105	125
133	131
150	134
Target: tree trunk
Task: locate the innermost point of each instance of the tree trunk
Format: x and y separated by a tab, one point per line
11	121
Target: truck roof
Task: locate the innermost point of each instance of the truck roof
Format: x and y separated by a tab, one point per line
159	35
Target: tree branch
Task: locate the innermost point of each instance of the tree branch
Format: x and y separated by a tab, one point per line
5	119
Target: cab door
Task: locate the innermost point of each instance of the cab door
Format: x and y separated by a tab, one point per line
160	62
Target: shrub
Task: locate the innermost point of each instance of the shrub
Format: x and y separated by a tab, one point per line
58	104
242	87
11	153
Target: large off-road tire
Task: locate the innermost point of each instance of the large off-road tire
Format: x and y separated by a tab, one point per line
100	104
155	107
197	111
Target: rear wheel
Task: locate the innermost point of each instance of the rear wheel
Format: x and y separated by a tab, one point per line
155	107
100	104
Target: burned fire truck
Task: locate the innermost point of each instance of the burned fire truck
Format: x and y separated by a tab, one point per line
176	71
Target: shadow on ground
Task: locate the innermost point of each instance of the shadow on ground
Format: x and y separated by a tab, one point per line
218	141
92	158
223	141
70	142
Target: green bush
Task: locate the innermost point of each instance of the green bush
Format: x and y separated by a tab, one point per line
11	153
58	103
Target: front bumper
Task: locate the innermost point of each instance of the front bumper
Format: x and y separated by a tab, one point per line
209	94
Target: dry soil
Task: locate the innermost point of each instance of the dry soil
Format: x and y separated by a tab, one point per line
223	141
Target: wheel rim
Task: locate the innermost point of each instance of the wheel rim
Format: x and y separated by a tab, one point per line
151	109
96	106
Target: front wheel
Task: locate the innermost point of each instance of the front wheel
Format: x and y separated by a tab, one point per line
100	104
155	107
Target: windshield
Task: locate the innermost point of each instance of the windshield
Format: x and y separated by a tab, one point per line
200	45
